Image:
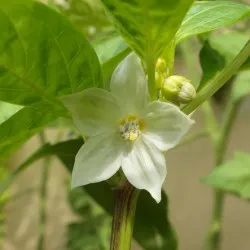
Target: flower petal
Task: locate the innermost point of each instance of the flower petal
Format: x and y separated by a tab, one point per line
165	124
94	111
97	160
129	84
145	167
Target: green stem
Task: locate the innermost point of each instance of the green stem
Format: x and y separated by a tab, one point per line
214	234
43	197
216	83
123	218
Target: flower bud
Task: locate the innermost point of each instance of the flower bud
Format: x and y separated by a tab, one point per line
161	65
178	89
159	79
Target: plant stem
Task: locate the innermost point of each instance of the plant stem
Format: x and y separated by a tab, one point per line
216	83
43	197
123	218
214	234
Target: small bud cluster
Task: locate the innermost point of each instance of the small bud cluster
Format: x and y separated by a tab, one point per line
160	72
175	88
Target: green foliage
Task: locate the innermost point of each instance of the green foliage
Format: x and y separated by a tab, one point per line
7	110
241	86
211	61
42	58
206	16
108	48
233	176
110	53
148	26
218	52
109	66
89	17
24	124
152	227
93	229
246	64
229	44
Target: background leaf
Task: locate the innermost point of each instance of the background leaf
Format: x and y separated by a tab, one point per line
108	48
211	61
93	229
229	44
149	25
24	124
42	58
110	53
233	176
241	85
218	52
205	16
154	232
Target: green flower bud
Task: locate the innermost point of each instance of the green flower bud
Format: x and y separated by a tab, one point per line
178	89
161	65
159	79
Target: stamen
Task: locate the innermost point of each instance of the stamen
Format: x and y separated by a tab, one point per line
130	128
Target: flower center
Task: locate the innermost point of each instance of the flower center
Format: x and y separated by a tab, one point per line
130	128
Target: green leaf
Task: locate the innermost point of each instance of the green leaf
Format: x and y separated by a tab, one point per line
233	176
218	52
110	53
148	25
92	229
88	16
212	62
7	110
109	66
241	85
246	64
42	56
206	16
24	124
152	228
108	48
94	223
229	44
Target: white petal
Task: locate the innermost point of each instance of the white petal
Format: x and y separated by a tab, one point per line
129	84
97	160
145	167
94	111
165	124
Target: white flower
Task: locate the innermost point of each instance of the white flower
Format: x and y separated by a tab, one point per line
125	130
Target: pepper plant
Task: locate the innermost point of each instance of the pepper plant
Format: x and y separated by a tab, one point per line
129	105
